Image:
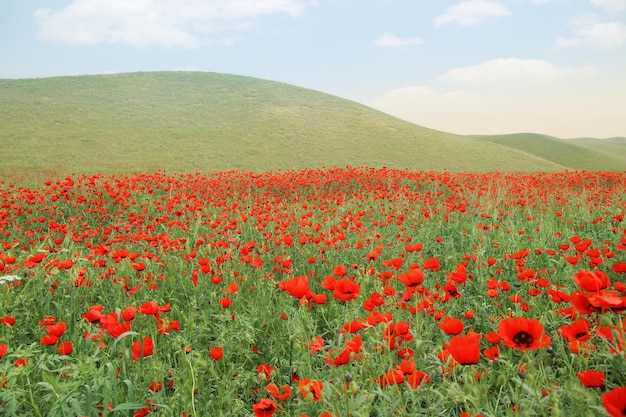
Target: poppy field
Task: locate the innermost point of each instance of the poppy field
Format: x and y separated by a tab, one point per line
321	292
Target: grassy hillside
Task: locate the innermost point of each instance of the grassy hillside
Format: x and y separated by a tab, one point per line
613	148
179	121
587	153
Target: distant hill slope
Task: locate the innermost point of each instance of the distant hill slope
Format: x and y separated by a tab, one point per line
613	148
191	121
584	153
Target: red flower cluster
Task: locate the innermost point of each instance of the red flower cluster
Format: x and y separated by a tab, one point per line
380	264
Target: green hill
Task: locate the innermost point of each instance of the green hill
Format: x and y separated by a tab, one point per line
584	153
191	121
611	149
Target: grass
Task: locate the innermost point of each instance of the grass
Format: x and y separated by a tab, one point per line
187	122
611	149
252	265
590	154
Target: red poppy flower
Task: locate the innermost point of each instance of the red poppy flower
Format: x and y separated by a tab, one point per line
405	353
346	289
615	402
21	362
128	313
579	330
264	408
216	352
275	392
376	317
591	378
116	329
523	334
66	264
355	344
432	264
606	300
150	308
298	286
452	325
412	278
492	352
3	349
65	348
459	275
354	326
465	349
92	315
232	288
493	337
416	378
57	329
377	299
395	376
8	320
582	304
340	270
609	333
142	348
592	280
49	340
311	388
341	359
319	299
451	291
329	282
396	333
48	320
316	344
573	260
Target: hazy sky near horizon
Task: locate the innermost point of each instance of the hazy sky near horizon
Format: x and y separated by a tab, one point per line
556	67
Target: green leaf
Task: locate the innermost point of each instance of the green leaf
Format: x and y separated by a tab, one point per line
130	406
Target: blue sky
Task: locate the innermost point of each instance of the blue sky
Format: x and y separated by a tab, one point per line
464	66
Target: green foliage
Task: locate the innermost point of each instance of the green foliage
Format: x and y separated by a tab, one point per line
188	122
590	154
176	224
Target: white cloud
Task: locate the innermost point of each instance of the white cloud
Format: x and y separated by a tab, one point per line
512	71
612	6
168	23
418	99
389	40
471	12
594	34
513	95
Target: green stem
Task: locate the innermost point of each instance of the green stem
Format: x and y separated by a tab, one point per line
32	398
193	386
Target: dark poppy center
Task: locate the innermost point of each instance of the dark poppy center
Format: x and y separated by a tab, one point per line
580	335
523	339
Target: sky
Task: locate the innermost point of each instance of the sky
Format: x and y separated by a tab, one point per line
556	67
